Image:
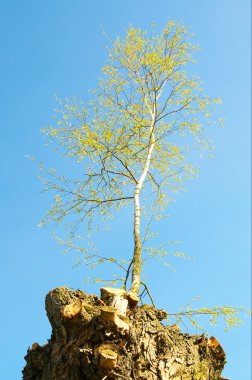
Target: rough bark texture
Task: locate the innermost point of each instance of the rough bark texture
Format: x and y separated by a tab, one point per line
85	345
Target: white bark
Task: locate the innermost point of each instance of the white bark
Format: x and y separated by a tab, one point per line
137	248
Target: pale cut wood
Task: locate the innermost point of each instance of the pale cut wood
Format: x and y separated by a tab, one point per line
74	308
111	292
133	300
106	355
120	299
107	359
116	298
110	314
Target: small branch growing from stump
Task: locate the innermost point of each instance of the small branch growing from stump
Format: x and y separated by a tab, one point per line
146	289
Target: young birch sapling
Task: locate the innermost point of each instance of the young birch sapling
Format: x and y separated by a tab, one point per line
129	138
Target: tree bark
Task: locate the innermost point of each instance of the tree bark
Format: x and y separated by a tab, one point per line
136	271
85	345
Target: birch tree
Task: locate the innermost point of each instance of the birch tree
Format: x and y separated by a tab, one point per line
133	139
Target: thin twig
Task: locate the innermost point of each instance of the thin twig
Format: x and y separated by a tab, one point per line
148	292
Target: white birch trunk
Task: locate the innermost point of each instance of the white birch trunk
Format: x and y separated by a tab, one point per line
135	285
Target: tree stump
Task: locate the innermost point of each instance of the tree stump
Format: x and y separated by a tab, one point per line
85	345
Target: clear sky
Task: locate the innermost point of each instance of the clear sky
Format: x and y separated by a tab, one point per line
56	48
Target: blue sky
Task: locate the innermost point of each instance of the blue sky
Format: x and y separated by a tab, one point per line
55	47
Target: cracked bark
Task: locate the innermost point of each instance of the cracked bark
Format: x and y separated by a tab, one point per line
85	345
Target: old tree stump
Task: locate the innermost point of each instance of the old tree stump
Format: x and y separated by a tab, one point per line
91	339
